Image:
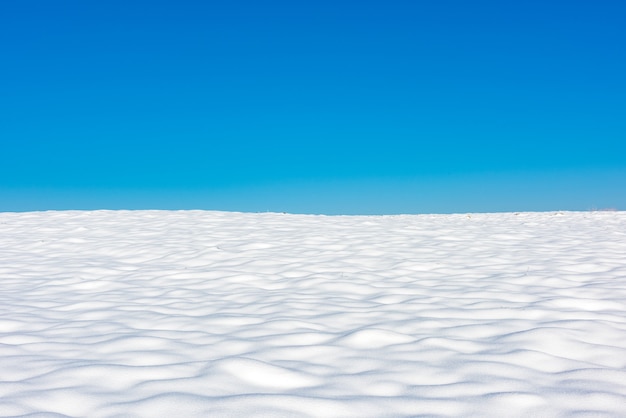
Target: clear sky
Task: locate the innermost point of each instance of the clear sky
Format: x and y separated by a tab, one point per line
336	107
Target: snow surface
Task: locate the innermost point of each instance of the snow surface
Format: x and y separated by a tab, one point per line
193	313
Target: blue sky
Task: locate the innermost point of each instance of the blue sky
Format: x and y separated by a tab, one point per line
336	107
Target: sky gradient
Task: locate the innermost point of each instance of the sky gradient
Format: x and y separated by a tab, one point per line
335	107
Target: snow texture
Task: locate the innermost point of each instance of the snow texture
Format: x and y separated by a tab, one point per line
193	313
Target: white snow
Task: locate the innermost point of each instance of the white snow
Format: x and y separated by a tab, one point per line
193	313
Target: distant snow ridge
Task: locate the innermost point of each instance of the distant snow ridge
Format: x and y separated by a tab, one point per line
192	313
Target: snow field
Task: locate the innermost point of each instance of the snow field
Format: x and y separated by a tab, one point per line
193	313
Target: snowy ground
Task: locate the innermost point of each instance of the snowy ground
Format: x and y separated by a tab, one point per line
179	314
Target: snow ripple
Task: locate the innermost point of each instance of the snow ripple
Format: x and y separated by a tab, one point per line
193	313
